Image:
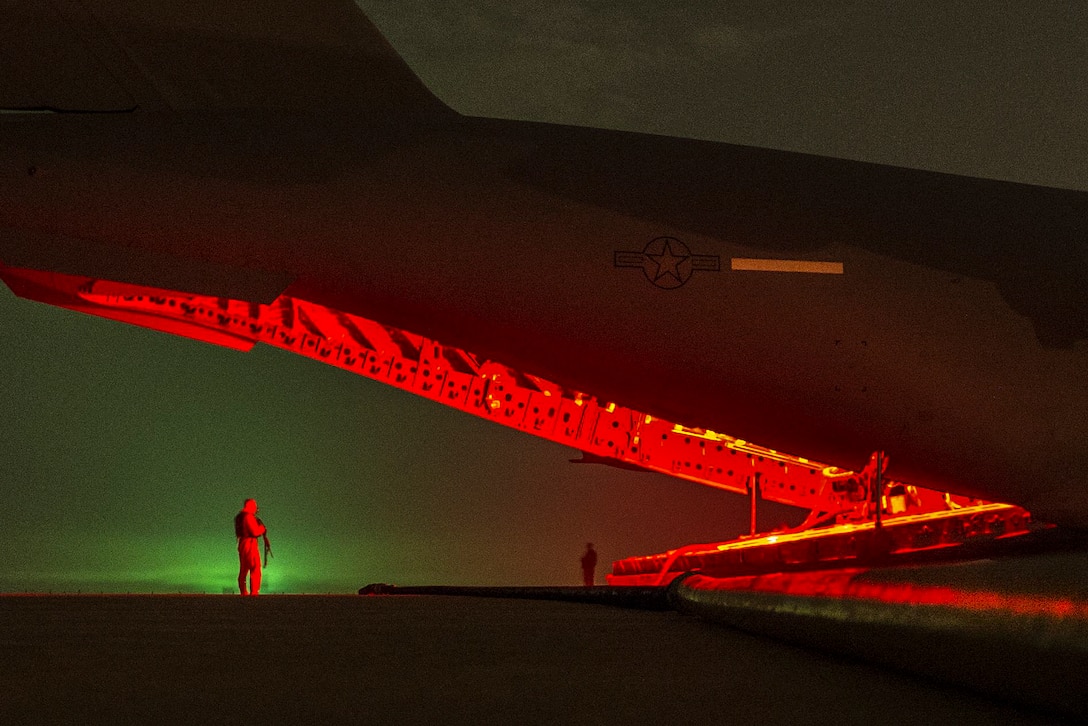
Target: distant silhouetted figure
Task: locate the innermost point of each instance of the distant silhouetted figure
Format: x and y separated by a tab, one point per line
589	565
247	528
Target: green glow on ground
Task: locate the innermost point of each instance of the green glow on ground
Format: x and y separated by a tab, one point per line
181	566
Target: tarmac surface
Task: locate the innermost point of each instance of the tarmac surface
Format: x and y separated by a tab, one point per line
431	659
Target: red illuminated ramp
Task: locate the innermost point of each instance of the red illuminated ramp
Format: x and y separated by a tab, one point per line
605	431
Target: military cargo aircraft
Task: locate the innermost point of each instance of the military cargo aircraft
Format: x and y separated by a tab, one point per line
861	340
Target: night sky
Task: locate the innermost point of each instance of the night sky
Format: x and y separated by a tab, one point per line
124	453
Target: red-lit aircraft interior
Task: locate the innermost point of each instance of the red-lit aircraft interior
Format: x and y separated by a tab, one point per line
854	516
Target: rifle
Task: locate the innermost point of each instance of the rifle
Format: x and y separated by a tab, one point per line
267	545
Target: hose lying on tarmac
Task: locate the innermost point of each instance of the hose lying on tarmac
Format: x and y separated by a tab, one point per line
1021	650
642	598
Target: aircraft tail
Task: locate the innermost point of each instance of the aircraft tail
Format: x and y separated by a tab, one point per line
204	55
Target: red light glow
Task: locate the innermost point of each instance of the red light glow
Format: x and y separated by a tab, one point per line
852	583
605	431
842	545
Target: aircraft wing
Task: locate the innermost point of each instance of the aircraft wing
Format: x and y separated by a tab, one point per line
115	55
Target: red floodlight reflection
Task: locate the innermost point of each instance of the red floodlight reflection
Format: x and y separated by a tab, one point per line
863	584
896	539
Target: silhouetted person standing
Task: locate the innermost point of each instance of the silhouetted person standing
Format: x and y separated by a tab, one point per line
247	528
589	565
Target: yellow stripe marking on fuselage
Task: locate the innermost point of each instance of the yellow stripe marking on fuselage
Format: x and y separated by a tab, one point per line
757	265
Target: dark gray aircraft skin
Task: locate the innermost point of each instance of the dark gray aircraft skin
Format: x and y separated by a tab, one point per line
247	152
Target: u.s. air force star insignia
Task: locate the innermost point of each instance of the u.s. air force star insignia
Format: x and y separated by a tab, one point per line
667	262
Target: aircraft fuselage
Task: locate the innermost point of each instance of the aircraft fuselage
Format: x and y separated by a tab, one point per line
941	320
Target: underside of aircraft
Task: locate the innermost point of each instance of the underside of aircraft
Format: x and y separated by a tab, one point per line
900	352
